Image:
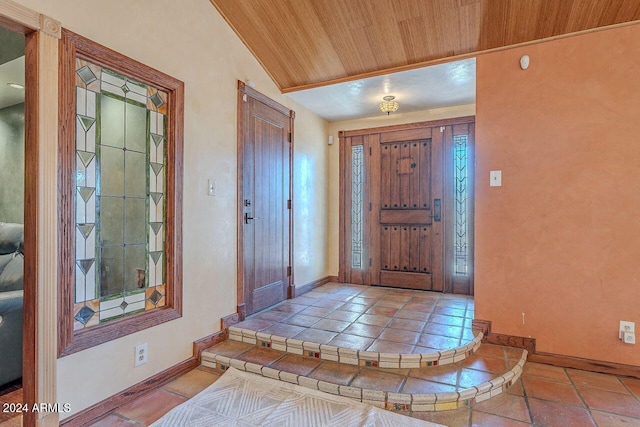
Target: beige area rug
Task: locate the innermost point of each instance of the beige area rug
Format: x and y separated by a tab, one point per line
240	398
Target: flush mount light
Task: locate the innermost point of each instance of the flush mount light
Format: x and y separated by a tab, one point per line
15	85
389	105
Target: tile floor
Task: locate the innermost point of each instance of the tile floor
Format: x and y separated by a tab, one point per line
546	396
489	362
11	393
367	318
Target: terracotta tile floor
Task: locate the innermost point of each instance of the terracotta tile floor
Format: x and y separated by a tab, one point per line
371	318
519	406
546	396
438	379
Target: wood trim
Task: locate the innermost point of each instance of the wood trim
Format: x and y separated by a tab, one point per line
31	230
241	307
291	290
69	341
242	312
585	364
408	126
100	409
229	320
483	325
249	91
528	344
342	242
303	289
204	343
20	19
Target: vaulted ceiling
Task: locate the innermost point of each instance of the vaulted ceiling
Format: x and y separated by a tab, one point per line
309	43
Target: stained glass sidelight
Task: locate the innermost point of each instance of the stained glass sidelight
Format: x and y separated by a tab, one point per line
120	199
357	201
461	204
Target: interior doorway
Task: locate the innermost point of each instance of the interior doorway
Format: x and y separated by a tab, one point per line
13	332
406	201
265	146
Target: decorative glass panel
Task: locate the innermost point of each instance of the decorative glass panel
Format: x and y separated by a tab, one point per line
461	205
120	172
357	201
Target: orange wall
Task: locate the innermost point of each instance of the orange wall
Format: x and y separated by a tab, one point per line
560	240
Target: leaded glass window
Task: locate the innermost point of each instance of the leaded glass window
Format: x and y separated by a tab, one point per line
461	205
120	181
357	201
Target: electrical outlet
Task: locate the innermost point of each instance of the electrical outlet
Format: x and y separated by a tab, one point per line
142	354
629	327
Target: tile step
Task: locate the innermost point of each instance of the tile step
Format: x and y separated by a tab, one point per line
356	357
426	394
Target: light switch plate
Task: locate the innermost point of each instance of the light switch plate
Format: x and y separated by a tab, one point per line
495	179
211	187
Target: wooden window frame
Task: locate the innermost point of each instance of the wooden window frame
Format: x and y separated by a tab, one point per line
74	46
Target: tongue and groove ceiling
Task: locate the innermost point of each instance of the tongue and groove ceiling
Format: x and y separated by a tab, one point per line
309	43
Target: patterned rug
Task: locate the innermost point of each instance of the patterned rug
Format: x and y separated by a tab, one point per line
245	399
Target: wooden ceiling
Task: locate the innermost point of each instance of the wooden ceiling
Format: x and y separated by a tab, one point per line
309	43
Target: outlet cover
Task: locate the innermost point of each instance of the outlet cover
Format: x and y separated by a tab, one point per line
142	354
626	326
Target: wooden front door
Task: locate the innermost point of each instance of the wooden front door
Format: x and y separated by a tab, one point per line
406	198
406	206
264	206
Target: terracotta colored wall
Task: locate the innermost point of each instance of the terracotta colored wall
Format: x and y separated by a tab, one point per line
560	240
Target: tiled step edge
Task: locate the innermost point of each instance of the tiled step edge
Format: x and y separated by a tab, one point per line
386	400
355	357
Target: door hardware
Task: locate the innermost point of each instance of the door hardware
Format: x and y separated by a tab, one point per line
437	210
248	218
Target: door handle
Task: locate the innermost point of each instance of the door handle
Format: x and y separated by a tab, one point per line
437	210
248	218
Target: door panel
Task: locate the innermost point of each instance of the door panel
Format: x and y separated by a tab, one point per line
265	212
405	216
408	206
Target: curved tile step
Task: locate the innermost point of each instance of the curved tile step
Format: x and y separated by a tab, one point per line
397	401
356	357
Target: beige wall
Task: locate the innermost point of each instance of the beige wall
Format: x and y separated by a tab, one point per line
334	162
190	41
559	241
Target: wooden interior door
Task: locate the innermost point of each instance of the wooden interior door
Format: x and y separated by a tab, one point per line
406	200
264	206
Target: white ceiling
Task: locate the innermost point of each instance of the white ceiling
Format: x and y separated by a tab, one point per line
11	72
438	86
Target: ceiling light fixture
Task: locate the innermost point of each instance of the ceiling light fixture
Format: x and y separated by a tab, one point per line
389	105
15	85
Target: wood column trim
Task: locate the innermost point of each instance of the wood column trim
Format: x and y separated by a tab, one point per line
21	19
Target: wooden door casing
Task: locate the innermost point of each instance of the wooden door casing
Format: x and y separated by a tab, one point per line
264	238
407	169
